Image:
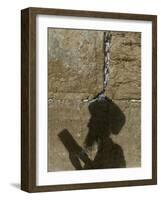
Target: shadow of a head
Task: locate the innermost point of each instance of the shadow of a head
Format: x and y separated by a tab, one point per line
106	117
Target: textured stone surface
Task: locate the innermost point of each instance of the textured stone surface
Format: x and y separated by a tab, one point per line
74	116
125	66
129	137
75	63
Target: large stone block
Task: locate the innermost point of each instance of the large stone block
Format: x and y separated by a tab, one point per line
125	66
63	114
129	137
75	61
75	116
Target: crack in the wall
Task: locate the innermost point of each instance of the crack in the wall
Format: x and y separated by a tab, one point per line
107	44
129	100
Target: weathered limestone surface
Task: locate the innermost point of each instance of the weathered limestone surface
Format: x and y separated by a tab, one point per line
63	115
75	61
125	66
75	66
74	116
129	137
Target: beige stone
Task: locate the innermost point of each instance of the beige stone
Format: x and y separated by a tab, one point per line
129	137
75	61
75	67
125	66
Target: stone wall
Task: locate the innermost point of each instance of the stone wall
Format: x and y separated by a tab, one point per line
75	73
125	89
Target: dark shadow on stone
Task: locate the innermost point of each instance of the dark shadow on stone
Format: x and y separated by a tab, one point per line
76	152
106	119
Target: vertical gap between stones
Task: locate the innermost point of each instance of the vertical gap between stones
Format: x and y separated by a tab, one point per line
106	68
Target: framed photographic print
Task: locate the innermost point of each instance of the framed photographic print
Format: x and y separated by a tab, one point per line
89	99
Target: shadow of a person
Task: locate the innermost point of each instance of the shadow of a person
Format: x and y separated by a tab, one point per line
106	119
